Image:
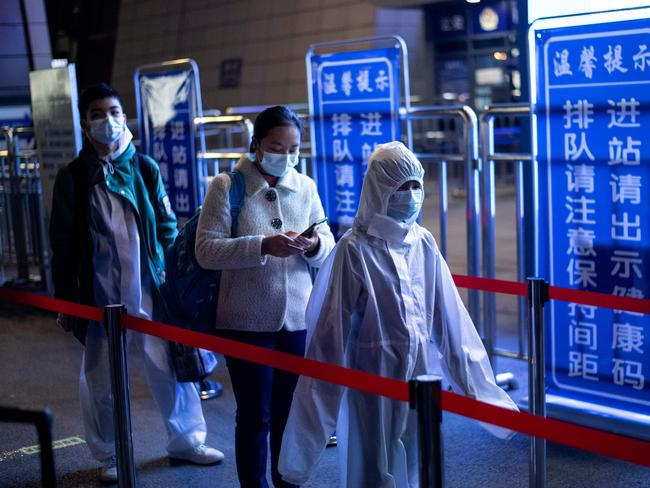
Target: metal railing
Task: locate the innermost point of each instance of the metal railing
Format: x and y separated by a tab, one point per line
23	239
42	420
466	154
489	157
224	130
228	138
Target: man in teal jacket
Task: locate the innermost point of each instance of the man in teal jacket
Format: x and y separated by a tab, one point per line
111	223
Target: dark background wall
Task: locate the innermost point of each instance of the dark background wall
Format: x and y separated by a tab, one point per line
84	33
24	46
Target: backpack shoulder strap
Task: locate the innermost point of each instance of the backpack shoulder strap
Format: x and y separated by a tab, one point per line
236	195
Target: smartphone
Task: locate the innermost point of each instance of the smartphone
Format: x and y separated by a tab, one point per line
307	232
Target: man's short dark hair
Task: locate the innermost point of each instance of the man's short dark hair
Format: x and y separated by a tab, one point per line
96	92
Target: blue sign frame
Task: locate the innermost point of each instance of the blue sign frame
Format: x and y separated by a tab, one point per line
589	78
168	99
354	105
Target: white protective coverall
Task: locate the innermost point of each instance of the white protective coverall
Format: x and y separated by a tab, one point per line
384	303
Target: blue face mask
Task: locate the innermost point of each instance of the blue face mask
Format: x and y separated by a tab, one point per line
405	205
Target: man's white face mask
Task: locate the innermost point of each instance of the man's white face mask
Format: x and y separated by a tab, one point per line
107	130
278	164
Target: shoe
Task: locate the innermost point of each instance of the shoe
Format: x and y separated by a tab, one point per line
200	454
332	441
208	389
109	471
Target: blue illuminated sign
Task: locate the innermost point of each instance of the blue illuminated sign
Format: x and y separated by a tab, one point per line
167	110
354	107
593	115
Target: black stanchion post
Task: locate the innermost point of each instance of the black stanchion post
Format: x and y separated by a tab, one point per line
121	396
425	396
44	429
537	297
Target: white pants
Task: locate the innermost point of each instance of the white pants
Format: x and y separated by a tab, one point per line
178	403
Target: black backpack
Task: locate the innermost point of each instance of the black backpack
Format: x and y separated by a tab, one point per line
190	292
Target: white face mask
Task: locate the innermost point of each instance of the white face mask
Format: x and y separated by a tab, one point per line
107	130
278	164
405	205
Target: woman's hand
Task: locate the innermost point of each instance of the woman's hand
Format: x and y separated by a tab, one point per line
291	243
282	245
309	244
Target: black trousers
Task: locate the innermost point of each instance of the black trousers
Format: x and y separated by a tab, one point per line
263	397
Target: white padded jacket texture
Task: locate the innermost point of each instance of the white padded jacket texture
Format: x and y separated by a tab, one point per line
260	293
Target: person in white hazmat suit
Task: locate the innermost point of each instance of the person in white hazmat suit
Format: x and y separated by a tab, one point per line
384	303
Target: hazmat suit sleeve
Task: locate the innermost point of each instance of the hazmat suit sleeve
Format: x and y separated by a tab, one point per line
315	406
463	357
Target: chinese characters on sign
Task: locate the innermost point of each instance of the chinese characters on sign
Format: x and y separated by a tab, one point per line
595	113
167	102
355	103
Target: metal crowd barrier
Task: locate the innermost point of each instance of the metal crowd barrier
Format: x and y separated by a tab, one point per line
222	132
489	157
42	420
466	154
225	129
23	239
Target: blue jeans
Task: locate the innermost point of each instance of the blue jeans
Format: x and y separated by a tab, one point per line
263	396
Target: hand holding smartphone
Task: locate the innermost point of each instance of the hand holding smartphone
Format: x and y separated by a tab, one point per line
307	232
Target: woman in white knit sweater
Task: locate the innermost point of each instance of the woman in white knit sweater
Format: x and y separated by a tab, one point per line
265	283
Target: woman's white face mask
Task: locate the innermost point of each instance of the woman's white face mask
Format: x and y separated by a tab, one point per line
278	164
107	130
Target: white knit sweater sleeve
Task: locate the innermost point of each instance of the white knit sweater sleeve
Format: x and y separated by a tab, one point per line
214	248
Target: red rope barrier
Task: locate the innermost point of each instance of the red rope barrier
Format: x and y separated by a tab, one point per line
487	284
369	383
583	297
626	304
52	304
598	442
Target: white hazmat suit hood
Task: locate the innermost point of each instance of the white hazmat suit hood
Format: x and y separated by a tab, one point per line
391	165
384	303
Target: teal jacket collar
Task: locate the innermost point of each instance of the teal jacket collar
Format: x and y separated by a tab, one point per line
93	164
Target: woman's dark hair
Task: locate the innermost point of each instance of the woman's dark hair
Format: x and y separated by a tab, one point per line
96	92
278	116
